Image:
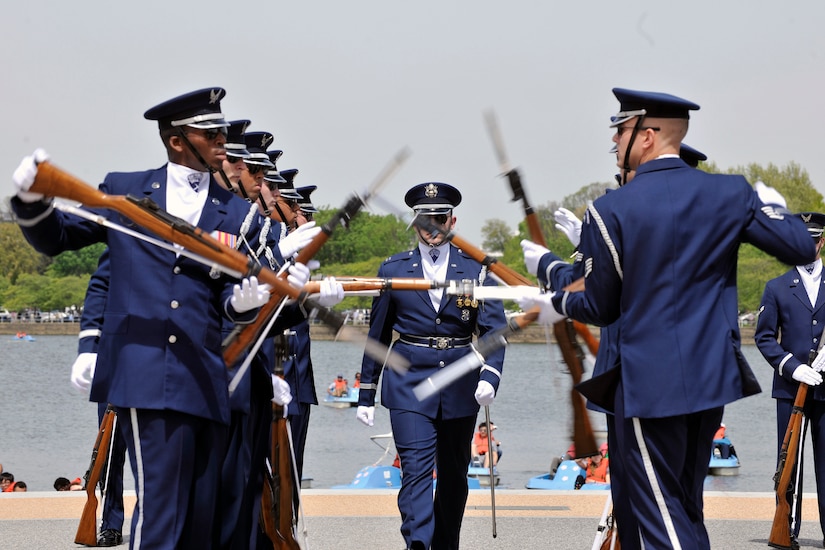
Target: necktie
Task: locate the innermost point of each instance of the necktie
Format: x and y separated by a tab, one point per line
194	181
434	254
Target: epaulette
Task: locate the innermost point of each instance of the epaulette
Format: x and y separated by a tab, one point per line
400	256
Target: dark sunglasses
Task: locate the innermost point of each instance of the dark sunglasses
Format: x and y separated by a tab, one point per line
212	133
439	219
255	168
233	160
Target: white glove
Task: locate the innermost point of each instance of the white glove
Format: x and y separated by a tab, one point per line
331	293
83	371
769	195
23	177
485	394
807	375
312	265
569	224
298	275
249	295
298	239
819	361
548	315
532	255
281	393
366	415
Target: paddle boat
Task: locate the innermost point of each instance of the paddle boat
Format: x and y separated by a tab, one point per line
723	458
377	476
349	399
23	337
477	471
565	478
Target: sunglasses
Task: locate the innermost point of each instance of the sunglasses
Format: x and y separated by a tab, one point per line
255	168
439	219
233	160
212	133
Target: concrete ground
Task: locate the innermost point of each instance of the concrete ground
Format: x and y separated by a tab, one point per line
349	520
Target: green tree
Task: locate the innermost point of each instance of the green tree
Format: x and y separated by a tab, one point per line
368	236
76	262
496	233
17	256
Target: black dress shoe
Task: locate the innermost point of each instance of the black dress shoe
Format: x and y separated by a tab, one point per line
110	537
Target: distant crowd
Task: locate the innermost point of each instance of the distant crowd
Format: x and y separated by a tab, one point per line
9	485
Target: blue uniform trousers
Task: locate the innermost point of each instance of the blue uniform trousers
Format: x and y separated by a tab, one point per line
113	502
176	463
664	462
425	444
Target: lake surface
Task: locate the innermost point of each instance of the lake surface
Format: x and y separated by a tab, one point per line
49	428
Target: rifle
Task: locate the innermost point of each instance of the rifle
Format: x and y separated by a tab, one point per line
276	500
242	336
565	330
53	182
780	536
87	530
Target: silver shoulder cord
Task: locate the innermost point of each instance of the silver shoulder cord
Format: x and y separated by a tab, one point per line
82	213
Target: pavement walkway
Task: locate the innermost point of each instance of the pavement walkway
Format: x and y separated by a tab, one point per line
368	519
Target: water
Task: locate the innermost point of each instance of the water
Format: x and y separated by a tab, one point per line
49	428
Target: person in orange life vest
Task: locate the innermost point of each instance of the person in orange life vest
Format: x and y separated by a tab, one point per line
481	445
357	383
598	467
339	387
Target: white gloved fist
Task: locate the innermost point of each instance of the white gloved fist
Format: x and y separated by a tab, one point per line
807	375
366	415
548	315
532	255
83	371
769	195
312	265
249	295
281	393
569	224
298	239
485	393
25	173
298	275
819	361
331	293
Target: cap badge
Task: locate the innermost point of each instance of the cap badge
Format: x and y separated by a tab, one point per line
431	190
266	139
807	218
214	96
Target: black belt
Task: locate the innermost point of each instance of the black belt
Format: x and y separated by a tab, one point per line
438	342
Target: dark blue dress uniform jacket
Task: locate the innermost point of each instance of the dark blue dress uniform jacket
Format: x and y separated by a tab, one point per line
412	313
162	324
787	329
678	229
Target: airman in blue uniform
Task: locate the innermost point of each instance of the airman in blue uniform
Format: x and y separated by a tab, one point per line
661	254
160	361
789	329
434	330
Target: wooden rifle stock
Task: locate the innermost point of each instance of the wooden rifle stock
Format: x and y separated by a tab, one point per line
242	338
87	530
780	536
276	503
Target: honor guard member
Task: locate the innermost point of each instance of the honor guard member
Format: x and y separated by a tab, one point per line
83	369
661	253
554	273
257	163
435	330
233	164
159	357
788	330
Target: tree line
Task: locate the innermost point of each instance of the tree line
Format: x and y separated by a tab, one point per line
31	280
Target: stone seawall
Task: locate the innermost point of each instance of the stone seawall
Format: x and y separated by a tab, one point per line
534	334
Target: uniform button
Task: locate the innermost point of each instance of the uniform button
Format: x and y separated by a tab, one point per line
437	321
814	321
440	364
176	270
172	338
174	304
155	185
815	339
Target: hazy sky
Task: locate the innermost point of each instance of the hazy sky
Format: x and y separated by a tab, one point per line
344	85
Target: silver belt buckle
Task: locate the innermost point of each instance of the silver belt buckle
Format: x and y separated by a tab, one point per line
441	342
